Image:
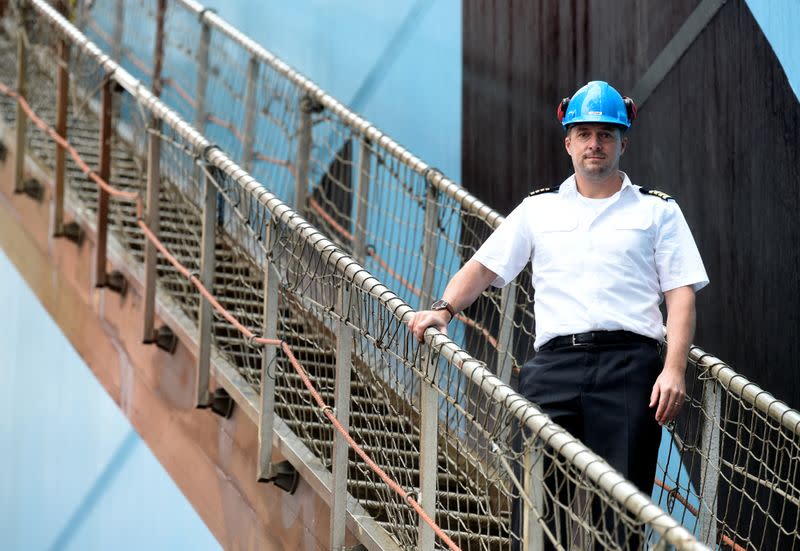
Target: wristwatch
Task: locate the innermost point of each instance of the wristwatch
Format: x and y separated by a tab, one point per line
444	305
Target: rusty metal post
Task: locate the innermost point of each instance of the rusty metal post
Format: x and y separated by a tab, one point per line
158	54
62	97
104	172
152	221
202	77
303	154
152	218
207	267
22	119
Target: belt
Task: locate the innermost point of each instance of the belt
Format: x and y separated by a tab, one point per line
597	337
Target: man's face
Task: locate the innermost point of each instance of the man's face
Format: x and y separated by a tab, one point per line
595	149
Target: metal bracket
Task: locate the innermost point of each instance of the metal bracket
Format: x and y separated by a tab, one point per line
33	189
285	476
74	232
222	403
116	282
311	105
166	339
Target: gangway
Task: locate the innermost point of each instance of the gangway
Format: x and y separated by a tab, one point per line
338	318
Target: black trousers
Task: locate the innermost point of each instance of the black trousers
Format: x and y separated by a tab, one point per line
600	394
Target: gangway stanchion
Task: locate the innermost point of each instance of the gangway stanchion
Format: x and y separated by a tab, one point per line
250	117
283	474
308	106
430	246
339	455
205	319
151	218
104	172
62	98
362	205
22	88
428	446
709	476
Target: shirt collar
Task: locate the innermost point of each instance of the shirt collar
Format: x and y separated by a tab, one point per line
570	188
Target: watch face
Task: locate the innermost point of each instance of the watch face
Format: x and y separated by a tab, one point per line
439	305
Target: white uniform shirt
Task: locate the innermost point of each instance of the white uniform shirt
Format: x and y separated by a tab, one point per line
598	265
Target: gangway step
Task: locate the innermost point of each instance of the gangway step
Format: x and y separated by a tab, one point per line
464	539
467	521
465	502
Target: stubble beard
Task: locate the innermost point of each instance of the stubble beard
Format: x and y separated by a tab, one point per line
597	172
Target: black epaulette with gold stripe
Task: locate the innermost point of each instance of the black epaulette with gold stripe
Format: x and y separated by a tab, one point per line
540	191
656	193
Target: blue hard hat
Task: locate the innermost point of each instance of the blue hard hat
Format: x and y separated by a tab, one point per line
597	101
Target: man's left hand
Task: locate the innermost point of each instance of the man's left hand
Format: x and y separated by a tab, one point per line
668	394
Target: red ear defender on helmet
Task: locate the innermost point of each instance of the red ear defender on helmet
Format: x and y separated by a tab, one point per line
630	107
562	109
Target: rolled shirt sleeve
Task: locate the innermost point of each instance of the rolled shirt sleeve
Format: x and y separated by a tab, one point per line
509	248
677	259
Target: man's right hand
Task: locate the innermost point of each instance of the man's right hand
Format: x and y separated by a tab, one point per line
461	291
420	321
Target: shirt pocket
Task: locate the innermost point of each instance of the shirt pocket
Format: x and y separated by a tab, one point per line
557	245
629	242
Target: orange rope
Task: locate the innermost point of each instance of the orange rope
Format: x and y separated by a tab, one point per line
689	507
348	236
235	322
483	330
100	32
329	219
226	125
66	145
678	497
403	281
386	478
181	92
279	162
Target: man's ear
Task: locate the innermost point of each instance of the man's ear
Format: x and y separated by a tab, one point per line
567	144
624	144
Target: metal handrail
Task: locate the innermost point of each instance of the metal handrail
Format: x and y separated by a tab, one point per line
749	392
582	458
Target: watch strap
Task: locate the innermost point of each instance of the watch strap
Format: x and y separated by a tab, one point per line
444	305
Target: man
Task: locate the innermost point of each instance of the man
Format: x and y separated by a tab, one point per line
604	254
